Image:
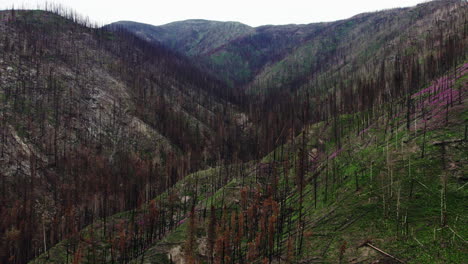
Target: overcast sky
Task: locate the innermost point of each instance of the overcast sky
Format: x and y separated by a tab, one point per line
251	12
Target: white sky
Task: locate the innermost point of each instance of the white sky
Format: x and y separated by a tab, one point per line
251	12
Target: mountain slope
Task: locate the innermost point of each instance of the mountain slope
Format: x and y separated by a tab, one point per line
232	51
386	193
93	123
190	37
289	56
353	45
103	135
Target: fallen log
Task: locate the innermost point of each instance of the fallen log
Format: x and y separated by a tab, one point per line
381	251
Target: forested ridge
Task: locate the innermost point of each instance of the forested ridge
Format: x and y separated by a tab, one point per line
348	146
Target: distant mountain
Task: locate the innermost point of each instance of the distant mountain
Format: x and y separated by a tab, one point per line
288	56
234	52
241	60
190	37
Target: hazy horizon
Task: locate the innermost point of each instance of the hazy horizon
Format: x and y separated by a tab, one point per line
251	13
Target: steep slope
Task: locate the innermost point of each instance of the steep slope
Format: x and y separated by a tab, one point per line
93	123
383	193
354	45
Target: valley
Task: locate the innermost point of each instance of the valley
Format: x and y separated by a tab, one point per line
215	142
